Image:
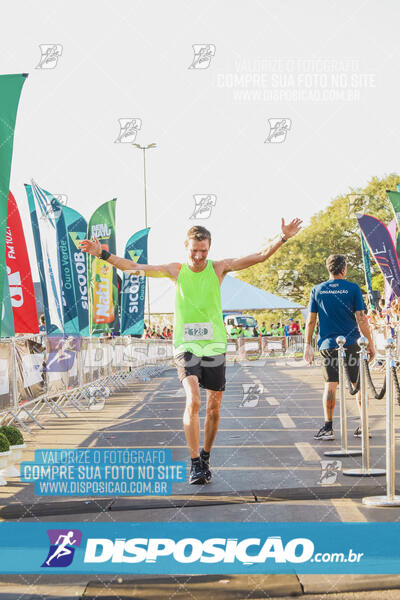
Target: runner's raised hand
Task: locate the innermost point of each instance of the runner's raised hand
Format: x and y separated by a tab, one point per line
92	247
291	228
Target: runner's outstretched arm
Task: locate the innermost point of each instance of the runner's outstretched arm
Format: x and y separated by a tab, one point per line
94	248
237	264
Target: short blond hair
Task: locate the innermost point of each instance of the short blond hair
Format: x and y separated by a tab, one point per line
199	233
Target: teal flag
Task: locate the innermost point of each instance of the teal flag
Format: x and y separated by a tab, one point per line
10	91
76	230
134	287
394	198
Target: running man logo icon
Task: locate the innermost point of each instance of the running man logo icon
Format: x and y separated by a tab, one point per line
203	54
50	53
203	204
128	129
61	354
62	547
251	394
278	129
329	471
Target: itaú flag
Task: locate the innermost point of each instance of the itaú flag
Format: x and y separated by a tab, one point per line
19	273
382	247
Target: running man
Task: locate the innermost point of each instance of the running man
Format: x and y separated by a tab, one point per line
199	333
340	307
62	549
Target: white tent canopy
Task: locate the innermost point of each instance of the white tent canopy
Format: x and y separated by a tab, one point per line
236	295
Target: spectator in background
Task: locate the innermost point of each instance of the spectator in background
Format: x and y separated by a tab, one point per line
240	332
381	305
286	331
272	329
247	332
373	318
42	324
294	327
279	330
234	332
255	332
263	329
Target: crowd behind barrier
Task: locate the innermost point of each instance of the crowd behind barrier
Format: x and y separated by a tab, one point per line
40	373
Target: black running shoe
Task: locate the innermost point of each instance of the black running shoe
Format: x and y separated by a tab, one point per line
324	434
206	467
358	433
197	473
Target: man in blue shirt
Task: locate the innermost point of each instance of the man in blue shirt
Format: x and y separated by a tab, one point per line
340	308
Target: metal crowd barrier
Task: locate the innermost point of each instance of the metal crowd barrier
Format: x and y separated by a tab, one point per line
365	470
40	374
266	347
391	379
344	450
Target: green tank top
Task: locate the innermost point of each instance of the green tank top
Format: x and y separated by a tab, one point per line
198	324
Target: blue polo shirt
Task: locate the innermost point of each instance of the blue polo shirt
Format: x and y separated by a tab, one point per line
336	302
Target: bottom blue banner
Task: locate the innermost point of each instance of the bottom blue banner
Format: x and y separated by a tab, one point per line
200	548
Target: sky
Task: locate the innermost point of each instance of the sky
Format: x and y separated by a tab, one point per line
270	108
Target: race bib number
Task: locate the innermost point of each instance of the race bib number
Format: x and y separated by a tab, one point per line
193	332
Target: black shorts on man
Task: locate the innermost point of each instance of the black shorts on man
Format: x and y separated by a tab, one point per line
210	370
330	363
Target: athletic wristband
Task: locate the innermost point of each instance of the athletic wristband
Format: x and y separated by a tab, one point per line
105	254
282	238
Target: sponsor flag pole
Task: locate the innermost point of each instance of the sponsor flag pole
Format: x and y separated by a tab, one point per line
45	237
102	277
134	286
21	290
10	92
381	245
75	231
367	270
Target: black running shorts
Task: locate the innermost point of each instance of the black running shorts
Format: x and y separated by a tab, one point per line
330	364
210	370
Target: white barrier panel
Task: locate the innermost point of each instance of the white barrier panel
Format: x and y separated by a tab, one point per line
250	346
118	356
4	376
32	369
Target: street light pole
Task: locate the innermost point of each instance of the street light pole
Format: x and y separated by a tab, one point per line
144	148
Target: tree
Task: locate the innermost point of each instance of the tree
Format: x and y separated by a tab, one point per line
300	265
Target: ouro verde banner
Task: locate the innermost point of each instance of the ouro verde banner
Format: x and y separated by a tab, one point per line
102	277
71	229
